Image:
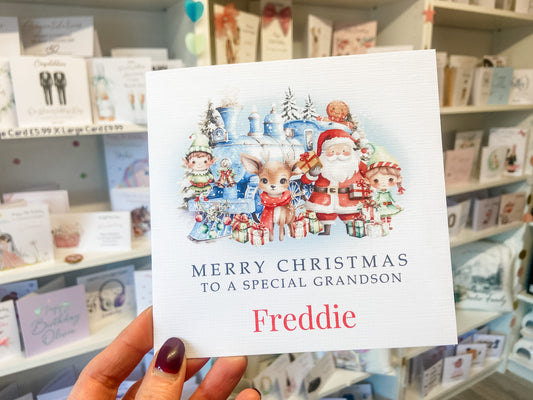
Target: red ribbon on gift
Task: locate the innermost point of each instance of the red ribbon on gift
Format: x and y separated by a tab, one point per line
365	189
238	220
284	16
259	227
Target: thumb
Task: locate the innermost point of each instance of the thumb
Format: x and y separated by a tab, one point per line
166	374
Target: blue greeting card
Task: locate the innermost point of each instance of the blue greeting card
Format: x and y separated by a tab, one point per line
502	79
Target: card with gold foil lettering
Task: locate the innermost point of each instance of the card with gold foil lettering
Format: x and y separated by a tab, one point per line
281	202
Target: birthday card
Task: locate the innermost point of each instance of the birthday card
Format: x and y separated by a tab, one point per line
299	211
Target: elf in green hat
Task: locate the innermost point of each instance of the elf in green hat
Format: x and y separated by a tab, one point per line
384	173
199	159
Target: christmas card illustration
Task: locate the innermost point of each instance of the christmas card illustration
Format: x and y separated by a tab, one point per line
51	91
281	202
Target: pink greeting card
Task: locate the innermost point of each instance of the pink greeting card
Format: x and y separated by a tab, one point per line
281	205
354	38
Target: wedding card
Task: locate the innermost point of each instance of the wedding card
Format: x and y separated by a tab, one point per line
57	200
9	37
9	332
514	139
354	38
92	232
248	267
8	115
110	296
51	91
319	34
456	368
53	319
236	35
512	207
62	36
118	90
276	30
25	236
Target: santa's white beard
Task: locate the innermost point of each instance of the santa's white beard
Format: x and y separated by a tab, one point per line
339	168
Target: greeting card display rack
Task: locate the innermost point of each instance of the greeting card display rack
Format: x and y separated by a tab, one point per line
40	156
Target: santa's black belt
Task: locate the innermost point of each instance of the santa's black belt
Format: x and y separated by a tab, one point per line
331	190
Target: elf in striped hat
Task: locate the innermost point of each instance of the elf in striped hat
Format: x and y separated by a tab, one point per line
382	174
199	159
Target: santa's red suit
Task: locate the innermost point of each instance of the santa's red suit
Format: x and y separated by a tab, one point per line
328	200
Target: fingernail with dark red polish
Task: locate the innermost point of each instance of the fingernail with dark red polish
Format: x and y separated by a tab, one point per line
257	390
170	356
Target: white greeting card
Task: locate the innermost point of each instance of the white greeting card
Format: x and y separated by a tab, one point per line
9	332
514	139
63	36
456	368
16	290
458	165
236	34
269	382
276	30
317	377
482	86
442	61
512	207
478	351
143	289
522	87
167	64
154	53
492	162
51	91
57	200
354	38
319	34
485	213
431	378
206	188
93	231
8	115
118	90
494	342
458	217
9	37
459	77
467	139
110	296
137	202
25	236
296	372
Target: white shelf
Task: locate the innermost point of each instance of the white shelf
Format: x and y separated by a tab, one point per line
525	297
449	390
469	16
73	130
96	341
340	379
466	321
468	235
474	186
485	109
140	248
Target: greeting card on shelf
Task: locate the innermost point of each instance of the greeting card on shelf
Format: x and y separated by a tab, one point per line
276	30
25	237
485	213
495	343
110	296
228	199
236	35
17	290
431	377
91	232
8	115
59	36
9	332
458	216
154	53
9	37
512	208
502	79
137	202
478	351
522	87
57	200
456	368
316	378
118	90
481	90
51	91
53	319
492	162
458	80
143	289
514	139
319	34
271	379
442	61
470	139
354	38
458	165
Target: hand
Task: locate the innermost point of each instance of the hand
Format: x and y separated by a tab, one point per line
164	379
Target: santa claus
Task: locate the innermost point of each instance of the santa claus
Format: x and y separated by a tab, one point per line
339	186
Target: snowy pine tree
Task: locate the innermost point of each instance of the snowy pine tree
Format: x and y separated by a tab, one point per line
210	122
309	111
290	109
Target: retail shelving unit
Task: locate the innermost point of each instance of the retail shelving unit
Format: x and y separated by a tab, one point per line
48	156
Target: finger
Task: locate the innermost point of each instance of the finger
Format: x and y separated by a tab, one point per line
101	378
221	379
166	374
249	394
